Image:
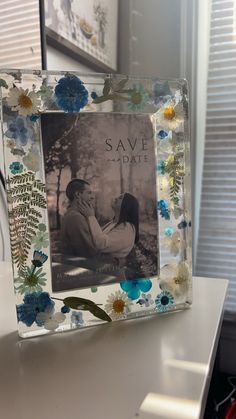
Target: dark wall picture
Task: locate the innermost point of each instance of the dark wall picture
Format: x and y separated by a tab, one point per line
101	197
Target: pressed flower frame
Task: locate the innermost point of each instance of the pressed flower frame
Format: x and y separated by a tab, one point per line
25	95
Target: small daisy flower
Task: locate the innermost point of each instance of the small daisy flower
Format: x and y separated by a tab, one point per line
171	117
51	320
40	240
138	98
30	281
164	301
118	305
23	101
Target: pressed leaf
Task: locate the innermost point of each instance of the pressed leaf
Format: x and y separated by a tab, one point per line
107	86
83	304
100	313
119	97
75	302
121	84
103	98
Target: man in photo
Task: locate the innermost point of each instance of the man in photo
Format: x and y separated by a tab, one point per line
76	239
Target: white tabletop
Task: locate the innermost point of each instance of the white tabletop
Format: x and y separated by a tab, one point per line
152	368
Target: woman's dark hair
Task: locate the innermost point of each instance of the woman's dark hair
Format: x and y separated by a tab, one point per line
129	212
75	185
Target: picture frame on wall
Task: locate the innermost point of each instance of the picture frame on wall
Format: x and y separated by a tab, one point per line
97	172
84	30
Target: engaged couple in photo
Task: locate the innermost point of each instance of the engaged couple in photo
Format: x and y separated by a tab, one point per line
82	236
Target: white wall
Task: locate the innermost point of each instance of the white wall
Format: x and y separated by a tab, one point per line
56	60
149	37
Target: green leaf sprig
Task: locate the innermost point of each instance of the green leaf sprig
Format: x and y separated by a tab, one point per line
114	91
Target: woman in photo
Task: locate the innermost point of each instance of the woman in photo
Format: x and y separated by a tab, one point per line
117	238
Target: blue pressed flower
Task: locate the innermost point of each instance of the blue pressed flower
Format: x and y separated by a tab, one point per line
164	301
169	231
134	287
16	168
162	134
20	131
182	224
161	92
34	303
94	95
70	93
34	117
65	309
39	258
163	207
162	204
145	300
161	167
77	318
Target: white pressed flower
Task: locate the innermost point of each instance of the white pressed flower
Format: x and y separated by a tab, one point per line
175	279
118	305
32	159
6	82
173	243
171	117
178	97
23	101
50	319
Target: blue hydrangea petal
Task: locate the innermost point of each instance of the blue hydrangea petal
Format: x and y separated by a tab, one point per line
145	284
162	134
70	93
134	293
127	285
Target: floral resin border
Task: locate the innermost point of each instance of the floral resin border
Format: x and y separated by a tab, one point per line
27	94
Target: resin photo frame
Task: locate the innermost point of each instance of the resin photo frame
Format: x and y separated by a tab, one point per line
97	171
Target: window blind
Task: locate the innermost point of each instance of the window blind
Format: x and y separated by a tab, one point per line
216	253
20	45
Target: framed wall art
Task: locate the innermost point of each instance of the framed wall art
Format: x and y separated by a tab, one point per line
85	30
98	187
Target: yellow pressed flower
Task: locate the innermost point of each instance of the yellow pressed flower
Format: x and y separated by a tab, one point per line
169	112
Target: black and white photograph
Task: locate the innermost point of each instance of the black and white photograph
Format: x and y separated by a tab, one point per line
101	198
